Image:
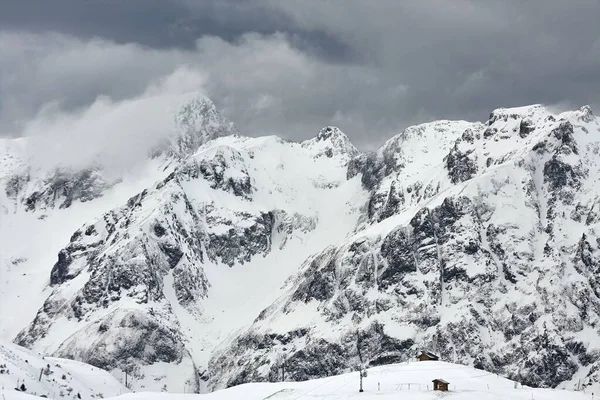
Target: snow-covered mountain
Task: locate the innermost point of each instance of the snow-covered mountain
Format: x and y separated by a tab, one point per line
228	256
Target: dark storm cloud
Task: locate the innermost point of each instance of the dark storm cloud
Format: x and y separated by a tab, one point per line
153	23
290	67
162	23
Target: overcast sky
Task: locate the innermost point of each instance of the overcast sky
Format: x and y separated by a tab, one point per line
289	67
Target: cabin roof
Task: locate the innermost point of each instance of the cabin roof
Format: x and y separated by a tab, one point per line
440	381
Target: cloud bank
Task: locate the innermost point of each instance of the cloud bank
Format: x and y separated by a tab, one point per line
289	68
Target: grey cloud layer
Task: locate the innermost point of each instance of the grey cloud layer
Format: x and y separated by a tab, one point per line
290	67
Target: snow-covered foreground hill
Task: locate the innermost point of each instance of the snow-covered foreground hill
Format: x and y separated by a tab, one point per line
395	381
224	257
53	377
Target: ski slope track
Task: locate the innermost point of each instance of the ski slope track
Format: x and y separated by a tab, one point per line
221	258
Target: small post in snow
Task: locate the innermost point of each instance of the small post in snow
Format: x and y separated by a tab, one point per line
361	376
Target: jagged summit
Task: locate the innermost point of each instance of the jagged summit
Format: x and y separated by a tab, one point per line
586	110
330	131
197	121
585	114
330	142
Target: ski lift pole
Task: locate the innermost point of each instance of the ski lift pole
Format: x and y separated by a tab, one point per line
361	378
363	374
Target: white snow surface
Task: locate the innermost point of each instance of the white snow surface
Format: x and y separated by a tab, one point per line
53	377
396	381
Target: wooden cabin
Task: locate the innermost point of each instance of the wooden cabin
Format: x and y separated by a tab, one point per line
440	385
427	356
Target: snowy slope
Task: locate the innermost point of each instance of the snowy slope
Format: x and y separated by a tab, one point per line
396	381
59	377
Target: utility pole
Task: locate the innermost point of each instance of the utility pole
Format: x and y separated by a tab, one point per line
360	358
361	376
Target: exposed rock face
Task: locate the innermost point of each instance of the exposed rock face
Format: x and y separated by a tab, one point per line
57	190
126	340
460	167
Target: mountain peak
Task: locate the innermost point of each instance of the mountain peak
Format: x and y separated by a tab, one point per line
329	132
330	142
197	121
586	114
516	112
